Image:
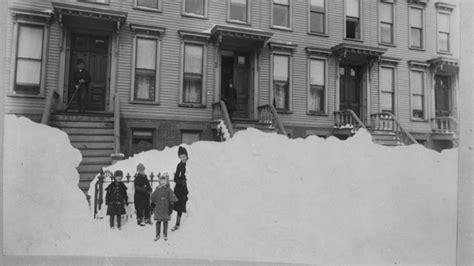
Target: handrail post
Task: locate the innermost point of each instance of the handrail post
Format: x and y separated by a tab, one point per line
117	156
48	106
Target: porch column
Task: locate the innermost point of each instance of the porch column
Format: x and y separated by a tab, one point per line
113	68
337	98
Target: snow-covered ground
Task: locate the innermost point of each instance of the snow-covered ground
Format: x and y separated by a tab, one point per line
257	197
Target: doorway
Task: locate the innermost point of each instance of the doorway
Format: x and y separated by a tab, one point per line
235	72
350	84
442	96
93	50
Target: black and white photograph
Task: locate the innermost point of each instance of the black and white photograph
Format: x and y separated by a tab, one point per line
237	132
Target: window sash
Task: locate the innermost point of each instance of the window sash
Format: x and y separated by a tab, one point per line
386	12
386	32
318	6
145	85
238	10
281	94
196	7
192	88
316	99
193	58
318	72
318	21
352	8
416	17
418	106
387	101
352	28
153	4
387	79
281	15
281	65
416	37
443	42
146	53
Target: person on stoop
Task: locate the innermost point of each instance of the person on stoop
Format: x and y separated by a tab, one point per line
162	201
229	96
181	188
116	199
142	196
80	80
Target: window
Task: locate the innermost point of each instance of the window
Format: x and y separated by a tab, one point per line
386	22
142	140
317	87
29	60
148	4
193	73
387	89
189	137
444	32
317	16
281	84
238	10
145	69
417	85
195	7
352	19
281	13
416	27
95	1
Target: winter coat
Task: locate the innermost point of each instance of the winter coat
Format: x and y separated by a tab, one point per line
161	201
78	75
142	190
181	188
116	198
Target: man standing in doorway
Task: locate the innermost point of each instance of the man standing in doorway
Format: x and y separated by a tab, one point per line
229	95
80	80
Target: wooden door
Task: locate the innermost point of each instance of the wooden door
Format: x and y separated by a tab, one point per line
350	88
93	50
442	96
242	83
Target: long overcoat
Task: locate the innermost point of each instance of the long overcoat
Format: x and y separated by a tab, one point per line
142	191
161	199
181	188
116	198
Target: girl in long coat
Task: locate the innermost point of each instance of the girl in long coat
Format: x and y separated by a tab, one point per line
116	198
162	200
142	196
181	188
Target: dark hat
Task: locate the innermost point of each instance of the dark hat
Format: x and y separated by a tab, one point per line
118	173
140	167
80	61
182	150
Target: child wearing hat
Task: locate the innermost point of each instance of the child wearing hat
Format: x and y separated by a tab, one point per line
116	198
142	196
162	200
181	188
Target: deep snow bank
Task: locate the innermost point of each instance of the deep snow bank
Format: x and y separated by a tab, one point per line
256	197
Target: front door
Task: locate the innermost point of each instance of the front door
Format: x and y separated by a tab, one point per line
236	71
350	85
93	50
442	96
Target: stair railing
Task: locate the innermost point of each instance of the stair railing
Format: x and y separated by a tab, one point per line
386	121
267	114
219	112
444	124
51	100
347	119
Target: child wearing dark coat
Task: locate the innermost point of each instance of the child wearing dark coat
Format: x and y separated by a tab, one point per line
116	198
181	188
142	196
162	200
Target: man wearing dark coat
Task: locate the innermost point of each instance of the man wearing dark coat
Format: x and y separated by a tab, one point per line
181	188
80	82
116	198
142	196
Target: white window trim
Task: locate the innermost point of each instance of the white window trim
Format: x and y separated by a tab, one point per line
308	88
326	20
395	87
361	25
423	29
159	9
249	19
394	23
205	16
450	43
290	78
204	75
290	17
157	70
425	95
44	57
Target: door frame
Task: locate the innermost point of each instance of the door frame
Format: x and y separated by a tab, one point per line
363	89
451	91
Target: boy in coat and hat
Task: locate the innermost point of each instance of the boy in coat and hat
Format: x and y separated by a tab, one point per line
162	200
80	80
181	188
116	198
142	196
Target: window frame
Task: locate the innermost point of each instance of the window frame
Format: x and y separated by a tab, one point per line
345	17
393	67
325	109
425	96
290	78
190	131
393	23
144	8
44	57
134	128
192	15
106	2
438	49
290	17
423	27
249	19
181	102
326	20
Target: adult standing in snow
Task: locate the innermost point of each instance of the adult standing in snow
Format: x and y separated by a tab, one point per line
142	196
162	200
116	198
181	188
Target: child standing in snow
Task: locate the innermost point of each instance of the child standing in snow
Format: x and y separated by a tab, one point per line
181	188
162	200
116	198
142	196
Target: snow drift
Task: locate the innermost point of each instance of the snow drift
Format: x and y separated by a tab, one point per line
259	197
